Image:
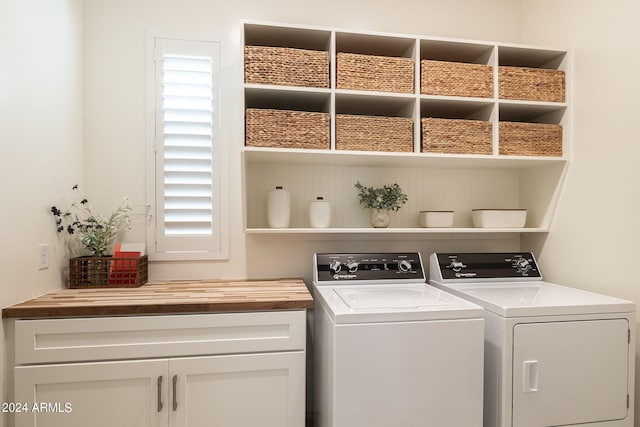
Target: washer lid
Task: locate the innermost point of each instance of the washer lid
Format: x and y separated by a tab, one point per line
520	299
392	303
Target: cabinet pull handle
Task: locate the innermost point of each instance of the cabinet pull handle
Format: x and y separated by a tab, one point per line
160	393
175	389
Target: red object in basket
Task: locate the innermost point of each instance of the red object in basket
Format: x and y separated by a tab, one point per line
123	268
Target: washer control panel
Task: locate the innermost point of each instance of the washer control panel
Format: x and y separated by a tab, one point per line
503	265
400	266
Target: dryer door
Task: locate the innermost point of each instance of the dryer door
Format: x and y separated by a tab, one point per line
567	373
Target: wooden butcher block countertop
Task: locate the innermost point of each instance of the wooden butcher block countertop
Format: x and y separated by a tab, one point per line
174	297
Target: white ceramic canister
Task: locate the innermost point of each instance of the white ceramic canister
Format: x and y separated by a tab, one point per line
437	219
278	208
319	213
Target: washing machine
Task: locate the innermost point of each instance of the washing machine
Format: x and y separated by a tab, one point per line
390	350
554	355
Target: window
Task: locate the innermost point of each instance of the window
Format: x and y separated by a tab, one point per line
185	179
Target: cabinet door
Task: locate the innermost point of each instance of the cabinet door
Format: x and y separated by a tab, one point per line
108	394
567	373
266	390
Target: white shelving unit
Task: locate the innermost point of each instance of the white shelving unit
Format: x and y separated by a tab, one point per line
432	181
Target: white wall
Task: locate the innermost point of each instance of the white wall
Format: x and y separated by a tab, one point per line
115	50
40	133
597	217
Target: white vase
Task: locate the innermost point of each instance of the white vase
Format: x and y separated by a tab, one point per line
380	218
278	208
319	213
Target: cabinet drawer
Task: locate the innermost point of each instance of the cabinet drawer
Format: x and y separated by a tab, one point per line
85	339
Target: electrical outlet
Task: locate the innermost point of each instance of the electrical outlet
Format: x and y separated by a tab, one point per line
43	256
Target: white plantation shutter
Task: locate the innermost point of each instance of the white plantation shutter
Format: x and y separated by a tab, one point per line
188	132
188	216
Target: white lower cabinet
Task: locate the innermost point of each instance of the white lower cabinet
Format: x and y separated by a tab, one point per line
100	394
264	389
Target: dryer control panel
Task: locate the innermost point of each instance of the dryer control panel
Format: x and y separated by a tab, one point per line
484	266
369	267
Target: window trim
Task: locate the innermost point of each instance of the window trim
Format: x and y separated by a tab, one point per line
220	166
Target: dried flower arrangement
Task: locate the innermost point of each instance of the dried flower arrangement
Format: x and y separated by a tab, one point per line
95	232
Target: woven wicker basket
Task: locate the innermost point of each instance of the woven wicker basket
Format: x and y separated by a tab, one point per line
531	84
456	79
374	133
286	66
530	139
457	136
286	129
376	73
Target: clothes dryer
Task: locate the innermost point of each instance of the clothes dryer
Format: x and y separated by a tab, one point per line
554	355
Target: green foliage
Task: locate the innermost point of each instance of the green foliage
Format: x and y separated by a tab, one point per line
95	232
388	197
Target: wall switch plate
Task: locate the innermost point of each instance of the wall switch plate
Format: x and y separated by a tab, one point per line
43	256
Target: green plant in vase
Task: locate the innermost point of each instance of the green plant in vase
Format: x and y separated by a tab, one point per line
381	201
